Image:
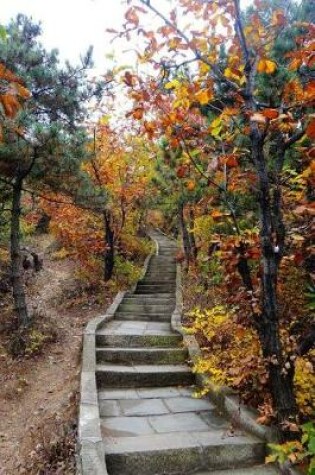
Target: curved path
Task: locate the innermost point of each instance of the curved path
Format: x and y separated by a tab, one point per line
150	423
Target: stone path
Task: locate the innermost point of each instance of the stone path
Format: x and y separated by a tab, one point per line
151	424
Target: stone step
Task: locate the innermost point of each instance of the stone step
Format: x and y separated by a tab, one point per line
163	263
150	301
155	289
141	394
149	279
142	375
257	470
171	251
136	333
198	413
158	271
144	317
136	300
138	341
157	282
145	307
179	452
156	285
141	355
154	298
150	291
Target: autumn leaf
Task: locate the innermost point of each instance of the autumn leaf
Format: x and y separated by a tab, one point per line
172	84
204	96
278	18
216	214
270	113
231	161
138	113
181	172
132	17
310	129
266	66
128	79
190	185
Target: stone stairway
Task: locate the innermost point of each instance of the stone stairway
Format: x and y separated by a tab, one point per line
150	423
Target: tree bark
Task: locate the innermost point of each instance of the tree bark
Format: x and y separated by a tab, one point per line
109	253
192	239
16	259
185	234
281	378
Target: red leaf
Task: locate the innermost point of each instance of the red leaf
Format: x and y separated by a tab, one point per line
270	113
310	129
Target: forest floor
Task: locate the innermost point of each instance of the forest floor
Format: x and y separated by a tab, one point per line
39	391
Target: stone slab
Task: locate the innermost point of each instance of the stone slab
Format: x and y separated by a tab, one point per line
125	426
258	470
109	408
188	421
116	393
186	404
143	407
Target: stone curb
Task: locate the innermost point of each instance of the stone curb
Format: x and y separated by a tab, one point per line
91	456
222	396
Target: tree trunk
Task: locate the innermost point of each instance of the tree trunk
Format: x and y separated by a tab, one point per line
185	234
109	246
281	375
281	378
192	239
16	260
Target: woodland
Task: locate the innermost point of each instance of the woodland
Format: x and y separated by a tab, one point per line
215	148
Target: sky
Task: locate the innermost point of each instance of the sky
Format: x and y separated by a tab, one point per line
72	25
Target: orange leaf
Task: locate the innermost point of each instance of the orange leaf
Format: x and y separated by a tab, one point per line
138	113
132	17
190	185
270	113
216	214
204	96
310	129
231	161
266	66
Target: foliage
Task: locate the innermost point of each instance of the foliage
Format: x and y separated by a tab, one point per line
296	451
305	384
42	145
230	103
231	353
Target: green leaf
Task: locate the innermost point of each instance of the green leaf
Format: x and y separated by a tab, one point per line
311	446
3	33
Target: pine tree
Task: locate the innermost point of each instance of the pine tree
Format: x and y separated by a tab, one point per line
44	143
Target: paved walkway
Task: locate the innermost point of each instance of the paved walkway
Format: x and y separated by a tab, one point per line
151	424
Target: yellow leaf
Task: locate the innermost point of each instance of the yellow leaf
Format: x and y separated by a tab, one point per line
228	73
203	96
271	67
216	122
172	84
204	68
